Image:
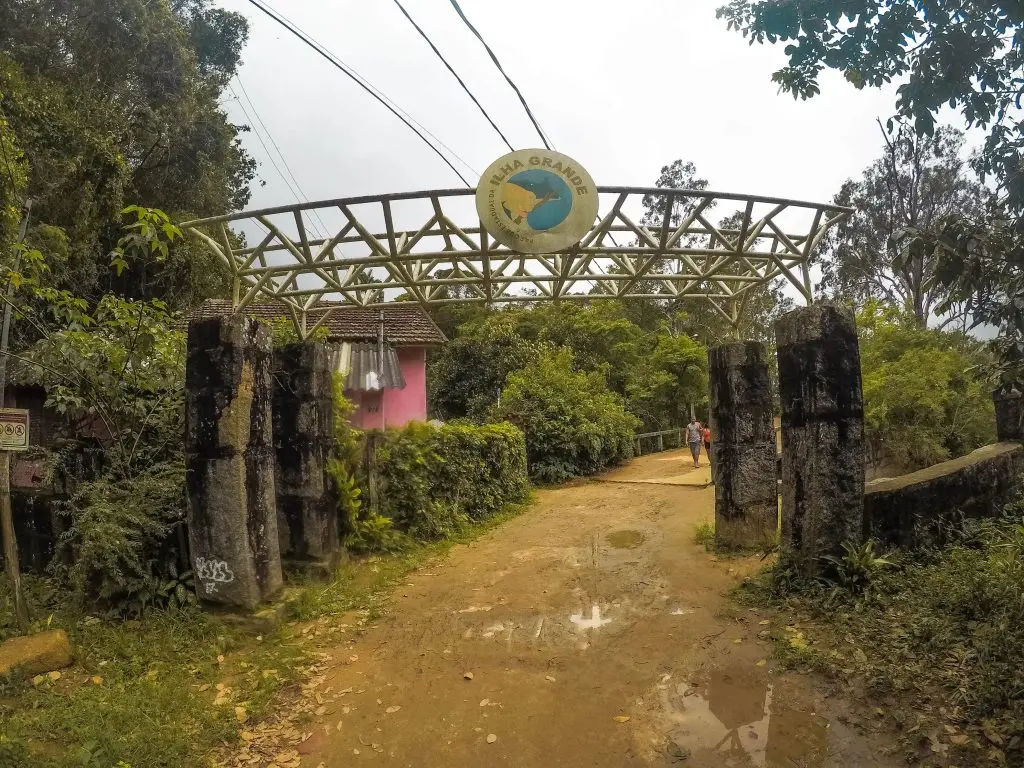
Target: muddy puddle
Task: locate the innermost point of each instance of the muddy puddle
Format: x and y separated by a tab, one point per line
740	720
625	539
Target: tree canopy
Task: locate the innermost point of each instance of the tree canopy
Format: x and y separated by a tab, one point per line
918	183
965	55
115	102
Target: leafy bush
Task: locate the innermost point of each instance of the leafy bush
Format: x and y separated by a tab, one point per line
573	425
923	400
115	371
120	542
658	372
858	566
434	479
13	753
943	630
362	529
467	374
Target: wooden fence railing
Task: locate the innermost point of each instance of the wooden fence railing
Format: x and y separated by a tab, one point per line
656	441
673	438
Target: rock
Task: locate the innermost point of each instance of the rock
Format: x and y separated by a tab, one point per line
36	654
676	752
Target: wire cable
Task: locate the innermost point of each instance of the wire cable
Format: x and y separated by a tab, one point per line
354	74
293	189
508	79
302	194
454	74
336	62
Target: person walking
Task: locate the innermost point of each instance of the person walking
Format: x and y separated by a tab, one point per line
706	436
694	437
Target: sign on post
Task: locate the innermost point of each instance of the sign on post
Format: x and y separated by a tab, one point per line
13	429
536	201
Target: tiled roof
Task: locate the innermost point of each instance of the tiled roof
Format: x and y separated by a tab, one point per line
405	324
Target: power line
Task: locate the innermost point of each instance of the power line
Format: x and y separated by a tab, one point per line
348	71
284	162
508	79
454	74
297	192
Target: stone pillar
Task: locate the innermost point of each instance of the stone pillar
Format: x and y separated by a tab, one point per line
1009	416
229	461
822	433
742	446
307	509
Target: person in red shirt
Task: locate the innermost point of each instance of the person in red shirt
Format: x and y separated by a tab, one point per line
706	437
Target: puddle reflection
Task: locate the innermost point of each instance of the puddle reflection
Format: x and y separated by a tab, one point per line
736	717
594	622
625	539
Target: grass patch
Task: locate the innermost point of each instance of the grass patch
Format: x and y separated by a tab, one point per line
940	633
141	693
152	703
704	534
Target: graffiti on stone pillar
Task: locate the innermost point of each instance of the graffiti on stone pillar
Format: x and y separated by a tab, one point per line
212	572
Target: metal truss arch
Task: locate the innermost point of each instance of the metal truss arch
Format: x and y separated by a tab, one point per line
431	247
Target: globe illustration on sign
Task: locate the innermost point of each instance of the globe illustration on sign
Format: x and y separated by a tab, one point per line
540	197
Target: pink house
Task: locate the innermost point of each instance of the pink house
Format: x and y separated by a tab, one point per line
388	396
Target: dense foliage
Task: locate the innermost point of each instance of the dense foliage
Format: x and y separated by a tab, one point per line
115	372
965	56
467	374
572	423
110	115
435	479
111	102
937	635
925	397
659	374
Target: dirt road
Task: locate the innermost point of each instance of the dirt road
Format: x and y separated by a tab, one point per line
596	633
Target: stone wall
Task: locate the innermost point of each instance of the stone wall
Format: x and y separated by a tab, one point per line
920	508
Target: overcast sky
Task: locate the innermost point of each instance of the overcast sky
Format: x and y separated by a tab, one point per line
624	88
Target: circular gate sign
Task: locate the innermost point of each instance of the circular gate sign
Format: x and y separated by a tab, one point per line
536	201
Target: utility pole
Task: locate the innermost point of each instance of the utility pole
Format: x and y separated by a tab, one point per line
11	563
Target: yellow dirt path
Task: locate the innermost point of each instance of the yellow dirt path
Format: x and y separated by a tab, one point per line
593	607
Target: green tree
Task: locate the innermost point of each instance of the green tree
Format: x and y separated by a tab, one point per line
966	56
918	184
13	179
924	400
573	425
661	386
115	371
659	374
116	101
468	373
